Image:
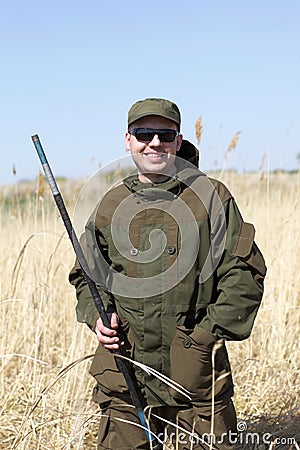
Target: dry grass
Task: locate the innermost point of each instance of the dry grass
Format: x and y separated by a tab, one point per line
267	366
39	334
44	408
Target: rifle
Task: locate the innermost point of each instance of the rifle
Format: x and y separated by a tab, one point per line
121	364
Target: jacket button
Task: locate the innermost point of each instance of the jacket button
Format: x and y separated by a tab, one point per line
186	343
171	250
134	251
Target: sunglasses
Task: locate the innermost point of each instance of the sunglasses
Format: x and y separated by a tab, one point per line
147	134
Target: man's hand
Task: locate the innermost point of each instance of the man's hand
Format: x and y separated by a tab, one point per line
106	336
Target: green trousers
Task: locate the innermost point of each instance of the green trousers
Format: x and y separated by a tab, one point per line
120	428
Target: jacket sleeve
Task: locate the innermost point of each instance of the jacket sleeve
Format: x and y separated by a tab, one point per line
239	281
91	241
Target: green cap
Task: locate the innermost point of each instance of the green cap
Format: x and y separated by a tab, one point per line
154	107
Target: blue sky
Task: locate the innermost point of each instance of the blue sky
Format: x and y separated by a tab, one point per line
71	69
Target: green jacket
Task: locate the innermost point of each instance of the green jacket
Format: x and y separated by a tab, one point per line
181	269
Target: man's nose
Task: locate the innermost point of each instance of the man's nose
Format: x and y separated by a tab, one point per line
155	141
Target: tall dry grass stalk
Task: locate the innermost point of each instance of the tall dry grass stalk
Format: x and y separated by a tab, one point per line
41	185
232	145
198	129
261	166
44	356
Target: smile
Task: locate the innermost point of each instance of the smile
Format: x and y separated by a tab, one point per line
154	155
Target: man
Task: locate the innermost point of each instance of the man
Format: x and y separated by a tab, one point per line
179	273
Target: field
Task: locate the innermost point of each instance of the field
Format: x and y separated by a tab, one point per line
45	354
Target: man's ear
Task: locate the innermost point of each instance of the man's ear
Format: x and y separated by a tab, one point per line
179	142
127	140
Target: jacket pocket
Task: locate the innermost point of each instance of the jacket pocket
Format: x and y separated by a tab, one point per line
104	367
247	250
191	365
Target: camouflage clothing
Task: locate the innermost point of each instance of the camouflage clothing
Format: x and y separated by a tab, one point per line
202	285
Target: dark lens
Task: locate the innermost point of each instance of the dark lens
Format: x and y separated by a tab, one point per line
144	136
167	136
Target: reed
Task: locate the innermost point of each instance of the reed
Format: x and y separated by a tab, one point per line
198	130
232	145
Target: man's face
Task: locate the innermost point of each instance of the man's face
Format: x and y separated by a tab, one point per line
154	159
